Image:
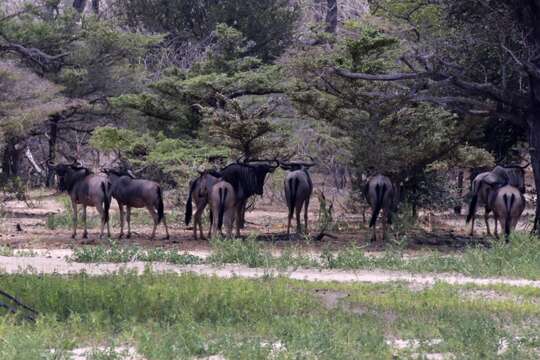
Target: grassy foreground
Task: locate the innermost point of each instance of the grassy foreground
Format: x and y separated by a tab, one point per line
519	259
185	317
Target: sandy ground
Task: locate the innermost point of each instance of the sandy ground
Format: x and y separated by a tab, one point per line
46	265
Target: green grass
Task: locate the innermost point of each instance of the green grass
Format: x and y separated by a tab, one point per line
519	259
118	254
182	317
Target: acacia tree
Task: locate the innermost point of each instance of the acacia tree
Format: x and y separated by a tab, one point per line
26	100
91	59
390	131
479	57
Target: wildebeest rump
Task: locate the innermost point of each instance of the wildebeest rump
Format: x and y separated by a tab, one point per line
484	183
508	204
247	179
87	189
298	189
199	192
223	203
137	193
381	194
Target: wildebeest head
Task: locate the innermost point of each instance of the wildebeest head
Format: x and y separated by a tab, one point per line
69	174
248	178
261	169
506	175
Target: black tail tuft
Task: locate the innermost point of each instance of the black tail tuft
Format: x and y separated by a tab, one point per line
508	205
293	191
222	199
160	207
189	206
106	202
472	208
379	192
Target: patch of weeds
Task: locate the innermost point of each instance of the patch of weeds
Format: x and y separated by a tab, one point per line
6	251
238	251
118	254
167	316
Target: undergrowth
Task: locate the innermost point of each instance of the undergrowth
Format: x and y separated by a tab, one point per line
184	317
519	258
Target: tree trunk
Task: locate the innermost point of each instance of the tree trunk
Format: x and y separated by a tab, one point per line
79	5
534	147
95	6
11	158
331	16
53	136
457	208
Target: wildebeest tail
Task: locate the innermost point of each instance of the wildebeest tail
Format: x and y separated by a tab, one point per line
160	207
379	192
106	201
222	198
508	204
472	207
189	206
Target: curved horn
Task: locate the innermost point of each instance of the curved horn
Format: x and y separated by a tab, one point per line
131	174
51	164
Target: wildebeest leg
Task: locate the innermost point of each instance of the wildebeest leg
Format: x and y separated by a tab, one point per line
472	227
121	207
239	211
155	218
496	230
74	207
298	217
306	205
384	223
85	232
289	219
211	221
486	219
166	228
101	212
128	220
229	222
197	220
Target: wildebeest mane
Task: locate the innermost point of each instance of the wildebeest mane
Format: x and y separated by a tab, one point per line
70	175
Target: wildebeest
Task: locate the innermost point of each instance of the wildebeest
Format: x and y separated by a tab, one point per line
223	203
381	194
508	204
298	190
247	179
484	183
199	192
137	193
87	189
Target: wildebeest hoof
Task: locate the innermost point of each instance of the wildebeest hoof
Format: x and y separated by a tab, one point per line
121	235
85	236
73	236
128	236
166	237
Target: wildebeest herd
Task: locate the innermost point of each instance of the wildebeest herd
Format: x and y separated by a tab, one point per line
227	191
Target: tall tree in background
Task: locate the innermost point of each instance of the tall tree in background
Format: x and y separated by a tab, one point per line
479	56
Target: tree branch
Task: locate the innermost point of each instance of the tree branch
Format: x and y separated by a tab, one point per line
381	77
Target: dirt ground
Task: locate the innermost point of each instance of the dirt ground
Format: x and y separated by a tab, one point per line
26	225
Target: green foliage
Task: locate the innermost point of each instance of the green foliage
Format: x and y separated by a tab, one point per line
169	316
176	157
116	253
267	24
25	100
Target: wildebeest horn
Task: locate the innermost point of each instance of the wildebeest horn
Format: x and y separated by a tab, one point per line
130	173
51	164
